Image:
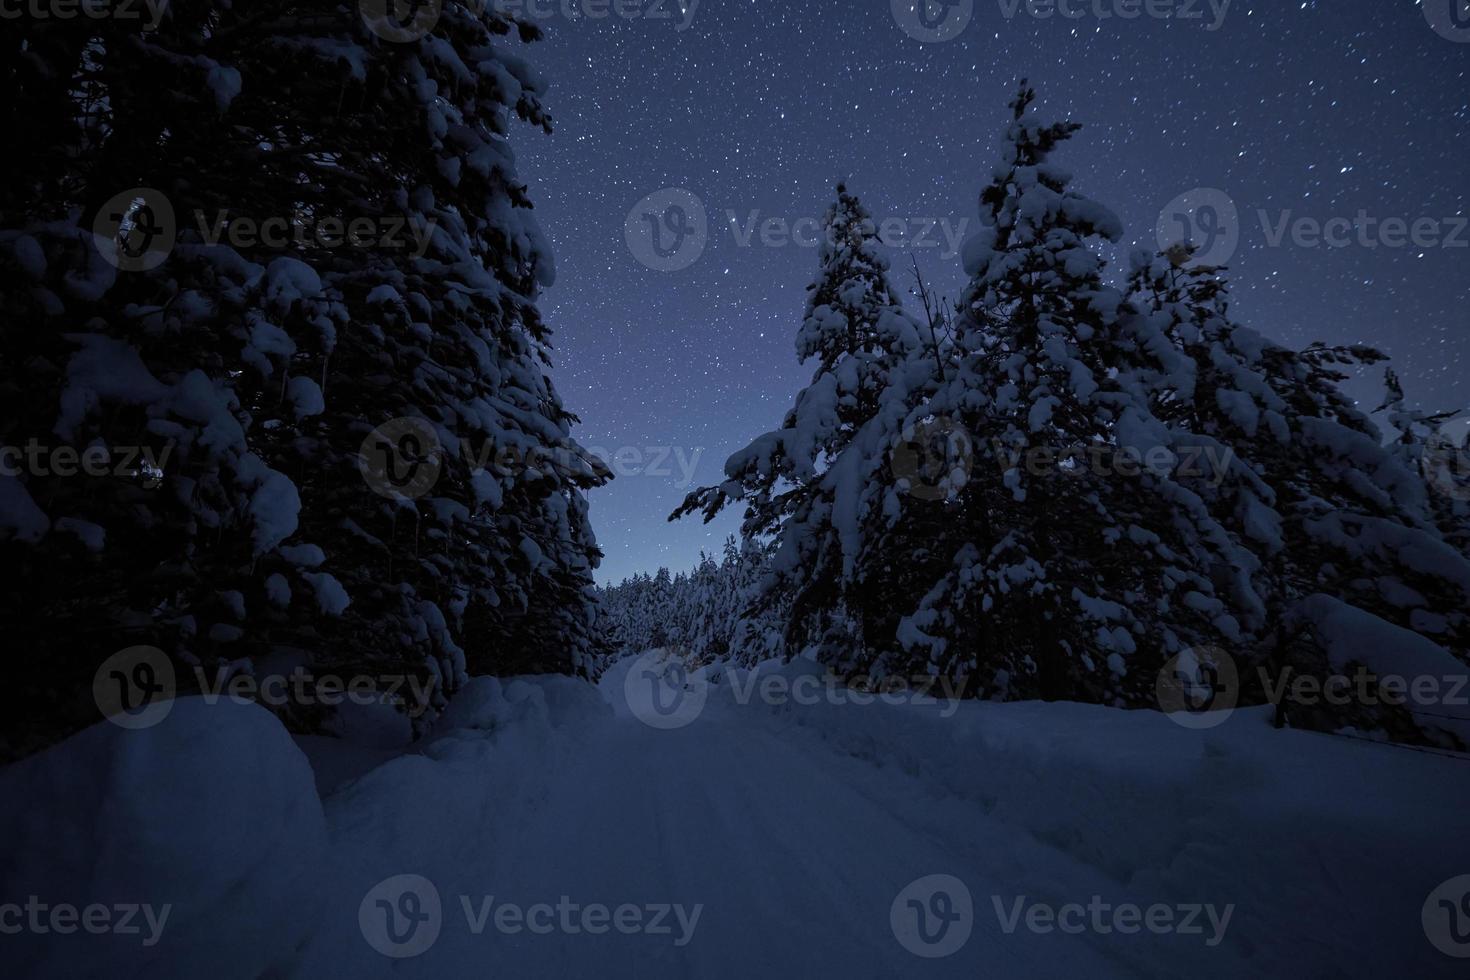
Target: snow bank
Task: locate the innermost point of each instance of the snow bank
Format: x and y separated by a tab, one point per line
439	807
209	821
209	825
1307	834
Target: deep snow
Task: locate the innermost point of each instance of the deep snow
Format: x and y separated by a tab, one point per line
763	838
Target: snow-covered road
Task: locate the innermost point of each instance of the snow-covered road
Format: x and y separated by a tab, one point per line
792	856
547	830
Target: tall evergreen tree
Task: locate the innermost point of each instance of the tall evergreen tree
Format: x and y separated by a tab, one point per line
1072	566
793	489
1327	523
266	369
1428	443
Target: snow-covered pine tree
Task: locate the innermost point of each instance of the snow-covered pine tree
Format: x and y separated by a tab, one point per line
263	369
1435	445
1338	545
789	480
708	629
1069	569
758	628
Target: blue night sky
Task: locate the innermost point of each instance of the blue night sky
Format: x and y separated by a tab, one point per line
1323	110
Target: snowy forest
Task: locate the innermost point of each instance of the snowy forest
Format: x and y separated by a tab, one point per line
1073	617
710	614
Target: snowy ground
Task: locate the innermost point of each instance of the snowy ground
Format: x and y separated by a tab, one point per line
549	830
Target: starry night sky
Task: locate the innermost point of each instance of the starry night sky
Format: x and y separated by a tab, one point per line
1321	108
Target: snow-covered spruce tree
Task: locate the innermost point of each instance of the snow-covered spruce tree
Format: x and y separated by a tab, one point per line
1341	555
789	480
1073	565
617	620
706	628
758	628
264	367
1427	442
98	359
